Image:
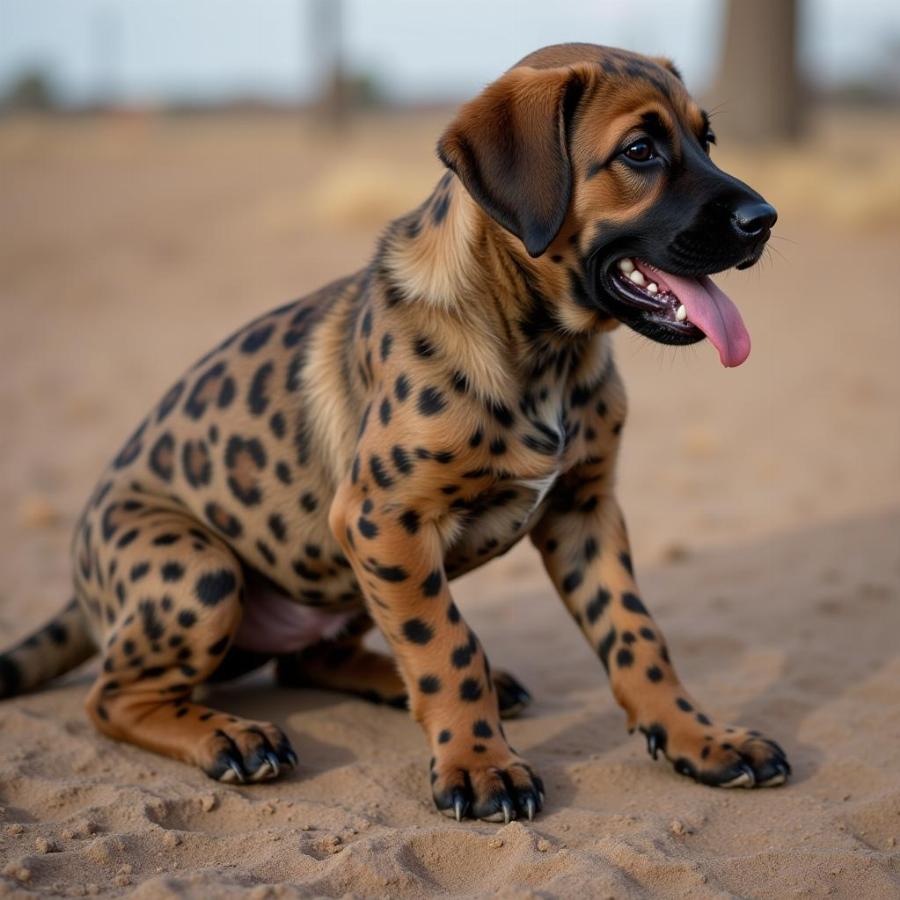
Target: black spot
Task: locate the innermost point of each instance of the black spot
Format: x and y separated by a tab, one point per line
391	573
278	425
625	560
366	325
572	581
606	646
501	412
580	396
167	404
197	402
132	449
309	502
257	339
277	527
367	528
213	587
648	634
423	347
481	729
162	456
382	479
590	549
684	705
222	520
445	736
633	603
596	607
624	658
462	656
429	684
196	463
172	571
703	719
431	401
139	570
186	618
476	438
401	460
453	615
497	446
153	628
460	382
470	690
387	342
401	388
166	539
226	393
410	521
432	585
283	472
257	396
417	631
127	538
304	571
655	673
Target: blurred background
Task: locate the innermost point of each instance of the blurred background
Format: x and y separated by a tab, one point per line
170	169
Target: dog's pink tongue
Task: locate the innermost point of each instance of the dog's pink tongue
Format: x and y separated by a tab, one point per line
713	312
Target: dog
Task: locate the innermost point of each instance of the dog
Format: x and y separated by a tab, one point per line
335	463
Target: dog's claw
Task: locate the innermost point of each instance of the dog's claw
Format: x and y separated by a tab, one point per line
459	804
236	769
529	809
508	812
652	743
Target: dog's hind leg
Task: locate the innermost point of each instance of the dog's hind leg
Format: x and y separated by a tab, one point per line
346	666
169	616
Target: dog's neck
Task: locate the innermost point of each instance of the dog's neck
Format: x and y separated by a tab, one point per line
450	255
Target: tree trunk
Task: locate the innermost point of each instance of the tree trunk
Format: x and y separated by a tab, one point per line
757	91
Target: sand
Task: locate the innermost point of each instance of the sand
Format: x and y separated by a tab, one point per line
763	504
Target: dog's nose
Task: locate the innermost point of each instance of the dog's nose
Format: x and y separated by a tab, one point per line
753	217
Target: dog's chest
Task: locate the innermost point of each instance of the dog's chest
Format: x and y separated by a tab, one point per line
504	513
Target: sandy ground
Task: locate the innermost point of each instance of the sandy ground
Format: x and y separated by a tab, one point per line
764	507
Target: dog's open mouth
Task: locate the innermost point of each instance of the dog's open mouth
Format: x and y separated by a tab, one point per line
686	308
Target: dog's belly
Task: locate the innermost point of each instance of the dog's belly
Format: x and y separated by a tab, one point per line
274	623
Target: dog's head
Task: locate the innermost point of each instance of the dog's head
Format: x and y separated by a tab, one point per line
605	150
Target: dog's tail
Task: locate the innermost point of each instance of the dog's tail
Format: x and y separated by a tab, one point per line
63	643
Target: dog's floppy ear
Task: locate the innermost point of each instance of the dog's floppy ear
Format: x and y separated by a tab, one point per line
509	147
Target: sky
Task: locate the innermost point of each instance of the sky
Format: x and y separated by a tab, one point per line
418	50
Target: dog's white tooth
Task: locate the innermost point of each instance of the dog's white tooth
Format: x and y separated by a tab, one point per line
637	277
626	265
652	287
681	313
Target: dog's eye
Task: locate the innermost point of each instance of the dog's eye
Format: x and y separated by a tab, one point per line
640	151
708	139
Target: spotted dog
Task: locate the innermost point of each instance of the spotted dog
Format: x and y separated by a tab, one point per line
338	461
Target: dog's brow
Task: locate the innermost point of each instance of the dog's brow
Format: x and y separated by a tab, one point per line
655	126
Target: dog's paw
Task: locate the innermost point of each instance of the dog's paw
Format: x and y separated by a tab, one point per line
481	787
242	751
722	756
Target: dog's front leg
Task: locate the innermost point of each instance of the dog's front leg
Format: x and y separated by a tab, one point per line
396	551
584	544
